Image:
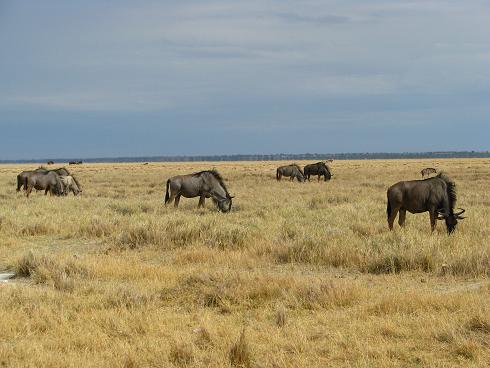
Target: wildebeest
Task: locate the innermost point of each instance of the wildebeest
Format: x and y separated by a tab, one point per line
437	195
79	162
203	184
50	162
320	169
47	181
21	178
70	184
292	171
427	171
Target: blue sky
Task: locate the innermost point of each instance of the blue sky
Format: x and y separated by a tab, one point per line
135	78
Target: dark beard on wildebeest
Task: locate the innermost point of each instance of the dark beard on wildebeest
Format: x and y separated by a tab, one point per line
203	184
436	195
320	169
292	171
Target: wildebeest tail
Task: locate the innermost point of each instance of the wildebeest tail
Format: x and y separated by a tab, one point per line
277	174
388	208
167	194
19	182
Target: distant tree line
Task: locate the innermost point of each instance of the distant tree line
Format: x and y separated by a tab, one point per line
277	157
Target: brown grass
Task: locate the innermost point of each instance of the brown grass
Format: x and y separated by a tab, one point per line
115	279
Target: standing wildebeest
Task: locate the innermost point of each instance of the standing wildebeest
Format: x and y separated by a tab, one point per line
293	171
427	171
47	181
203	184
50	162
21	178
437	195
70	184
75	162
320	169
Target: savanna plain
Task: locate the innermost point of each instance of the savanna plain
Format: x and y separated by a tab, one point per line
297	275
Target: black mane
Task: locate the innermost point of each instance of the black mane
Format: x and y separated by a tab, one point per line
217	177
451	189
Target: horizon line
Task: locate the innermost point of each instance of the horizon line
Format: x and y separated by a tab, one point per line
263	157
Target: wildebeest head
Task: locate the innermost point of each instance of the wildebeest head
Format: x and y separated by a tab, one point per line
450	218
225	204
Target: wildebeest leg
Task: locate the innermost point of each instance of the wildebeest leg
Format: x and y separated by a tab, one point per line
318	178
170	198
433	220
28	191
391	219
177	199
201	201
401	217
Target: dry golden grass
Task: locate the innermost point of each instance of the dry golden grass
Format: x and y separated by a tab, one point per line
297	275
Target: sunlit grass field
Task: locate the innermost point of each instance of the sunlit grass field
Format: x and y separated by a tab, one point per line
297	275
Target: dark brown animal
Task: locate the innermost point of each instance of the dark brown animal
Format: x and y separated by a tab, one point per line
292	171
203	184
50	162
436	195
21	178
320	169
427	171
75	162
47	181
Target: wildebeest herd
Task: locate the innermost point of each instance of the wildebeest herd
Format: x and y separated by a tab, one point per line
436	195
57	182
293	171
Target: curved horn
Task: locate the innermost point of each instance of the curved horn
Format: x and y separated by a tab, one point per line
460	212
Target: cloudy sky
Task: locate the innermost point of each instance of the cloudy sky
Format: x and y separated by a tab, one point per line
100	78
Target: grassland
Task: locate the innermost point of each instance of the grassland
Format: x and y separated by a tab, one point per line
297	275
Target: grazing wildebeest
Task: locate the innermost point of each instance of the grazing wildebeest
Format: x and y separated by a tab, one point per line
320	169
47	181
293	171
50	162
427	171
70	184
437	195
75	162
203	184
21	178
